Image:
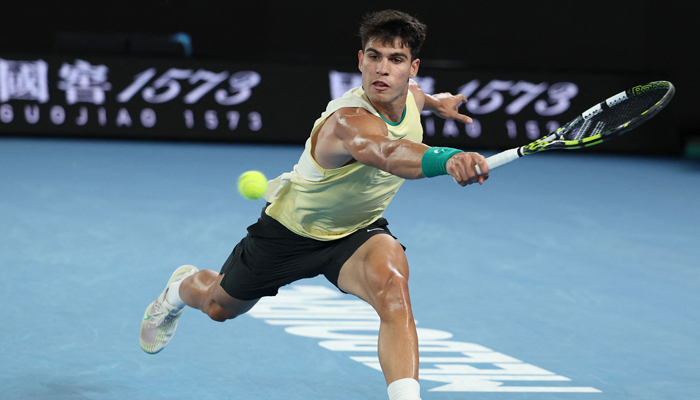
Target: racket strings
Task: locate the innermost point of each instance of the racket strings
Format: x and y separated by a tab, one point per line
612	119
632	108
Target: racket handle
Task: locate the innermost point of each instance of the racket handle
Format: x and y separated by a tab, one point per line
501	158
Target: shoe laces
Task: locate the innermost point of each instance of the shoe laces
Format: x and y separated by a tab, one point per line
160	314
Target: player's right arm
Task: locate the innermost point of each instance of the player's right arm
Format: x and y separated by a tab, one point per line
354	133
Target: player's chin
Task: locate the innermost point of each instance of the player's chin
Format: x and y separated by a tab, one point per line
376	96
384	96
386	100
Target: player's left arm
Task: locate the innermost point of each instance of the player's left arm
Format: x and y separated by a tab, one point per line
444	105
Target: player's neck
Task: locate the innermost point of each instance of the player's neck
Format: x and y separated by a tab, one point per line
392	112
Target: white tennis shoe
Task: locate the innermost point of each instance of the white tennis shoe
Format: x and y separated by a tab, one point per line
160	319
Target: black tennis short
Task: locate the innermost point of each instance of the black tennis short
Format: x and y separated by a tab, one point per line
272	256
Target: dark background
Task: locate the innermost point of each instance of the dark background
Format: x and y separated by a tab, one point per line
640	37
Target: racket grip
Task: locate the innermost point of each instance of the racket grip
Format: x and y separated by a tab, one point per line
501	158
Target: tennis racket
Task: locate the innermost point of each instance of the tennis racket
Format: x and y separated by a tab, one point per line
604	121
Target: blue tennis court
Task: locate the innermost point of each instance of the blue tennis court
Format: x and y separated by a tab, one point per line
566	276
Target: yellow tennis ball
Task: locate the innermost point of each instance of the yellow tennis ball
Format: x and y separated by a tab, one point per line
252	184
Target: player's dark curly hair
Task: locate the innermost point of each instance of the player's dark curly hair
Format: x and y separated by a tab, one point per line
393	27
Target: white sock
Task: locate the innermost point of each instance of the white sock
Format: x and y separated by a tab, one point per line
173	295
404	389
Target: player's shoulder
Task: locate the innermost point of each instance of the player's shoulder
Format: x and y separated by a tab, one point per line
417	94
356	115
354	120
352	111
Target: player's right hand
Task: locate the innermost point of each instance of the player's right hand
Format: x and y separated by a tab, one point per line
462	167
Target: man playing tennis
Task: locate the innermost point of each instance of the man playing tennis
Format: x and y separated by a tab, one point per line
325	217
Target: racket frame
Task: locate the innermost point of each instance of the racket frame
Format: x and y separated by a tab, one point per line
556	140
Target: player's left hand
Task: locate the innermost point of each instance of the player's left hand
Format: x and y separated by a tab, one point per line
447	107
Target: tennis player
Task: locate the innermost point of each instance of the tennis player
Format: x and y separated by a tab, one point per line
325	216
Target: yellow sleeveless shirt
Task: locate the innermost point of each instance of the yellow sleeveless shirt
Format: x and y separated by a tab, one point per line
329	204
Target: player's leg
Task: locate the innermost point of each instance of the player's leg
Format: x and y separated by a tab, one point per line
203	291
378	273
187	286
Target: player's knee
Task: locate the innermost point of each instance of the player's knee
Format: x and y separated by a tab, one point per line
218	313
392	300
388	281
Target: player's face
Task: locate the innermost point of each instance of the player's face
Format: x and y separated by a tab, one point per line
386	70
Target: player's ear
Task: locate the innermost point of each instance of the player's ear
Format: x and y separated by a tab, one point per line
360	56
414	67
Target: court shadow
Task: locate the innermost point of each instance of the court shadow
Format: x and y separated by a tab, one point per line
62	391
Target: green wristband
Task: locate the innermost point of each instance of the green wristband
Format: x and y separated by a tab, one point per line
434	160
